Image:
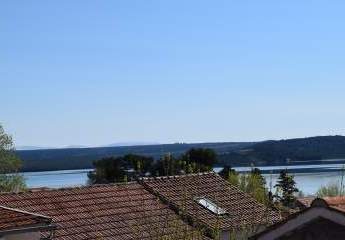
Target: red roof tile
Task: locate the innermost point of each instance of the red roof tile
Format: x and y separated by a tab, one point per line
305	202
123	211
14	219
181	191
310	204
335	202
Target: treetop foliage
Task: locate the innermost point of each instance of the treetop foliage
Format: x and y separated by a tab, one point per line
286	189
252	183
235	154
332	189
116	169
10	164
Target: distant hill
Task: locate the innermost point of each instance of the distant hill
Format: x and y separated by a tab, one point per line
291	151
80	158
126	144
42	147
31	147
118	144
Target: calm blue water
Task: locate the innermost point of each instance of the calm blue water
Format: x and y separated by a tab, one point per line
307	182
56	179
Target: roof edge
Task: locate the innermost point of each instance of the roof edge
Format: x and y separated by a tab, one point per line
176	176
69	188
32	228
320	203
29	213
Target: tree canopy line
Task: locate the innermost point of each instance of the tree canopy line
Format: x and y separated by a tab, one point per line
283	195
291	151
83	158
131	166
10	164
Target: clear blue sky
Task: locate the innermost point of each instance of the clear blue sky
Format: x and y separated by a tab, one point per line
98	72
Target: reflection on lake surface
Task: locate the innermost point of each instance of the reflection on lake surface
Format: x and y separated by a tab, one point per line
308	182
56	179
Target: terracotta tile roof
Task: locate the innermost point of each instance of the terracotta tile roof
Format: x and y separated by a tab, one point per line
311	203
14	219
181	191
304	202
334	202
122	211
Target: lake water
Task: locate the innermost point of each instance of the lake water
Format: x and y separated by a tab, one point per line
56	179
308	182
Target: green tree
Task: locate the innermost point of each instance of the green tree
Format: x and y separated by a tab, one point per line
286	189
230	175
252	183
332	189
193	161
140	164
257	172
108	170
10	164
168	165
203	158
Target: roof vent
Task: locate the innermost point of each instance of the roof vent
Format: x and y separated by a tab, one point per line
211	206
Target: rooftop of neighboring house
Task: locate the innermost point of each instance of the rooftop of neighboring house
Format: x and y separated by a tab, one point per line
320	219
170	207
304	202
14	220
115	211
210	200
335	202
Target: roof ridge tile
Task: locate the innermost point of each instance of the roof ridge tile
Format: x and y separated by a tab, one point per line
177	176
33	190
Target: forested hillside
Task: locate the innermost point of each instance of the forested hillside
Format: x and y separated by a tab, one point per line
80	158
291	151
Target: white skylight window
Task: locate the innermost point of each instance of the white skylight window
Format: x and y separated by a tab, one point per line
211	206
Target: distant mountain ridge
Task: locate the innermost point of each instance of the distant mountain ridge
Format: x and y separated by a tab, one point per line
281	152
45	148
118	144
81	158
290	151
125	144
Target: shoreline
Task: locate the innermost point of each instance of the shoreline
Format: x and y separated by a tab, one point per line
329	167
